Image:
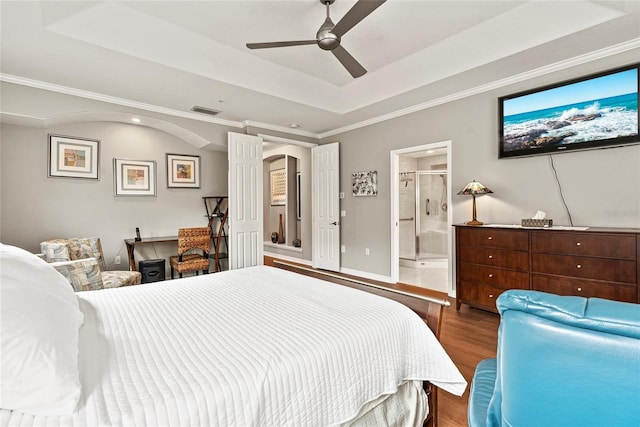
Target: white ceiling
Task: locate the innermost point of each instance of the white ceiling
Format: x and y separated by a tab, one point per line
171	55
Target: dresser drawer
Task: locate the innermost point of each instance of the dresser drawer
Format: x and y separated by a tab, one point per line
614	270
584	288
517	260
498	277
482	295
621	246
494	238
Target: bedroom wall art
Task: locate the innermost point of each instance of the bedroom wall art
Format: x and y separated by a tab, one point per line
72	157
279	187
134	177
365	183
183	171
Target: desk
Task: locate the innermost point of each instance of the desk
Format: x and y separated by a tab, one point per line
131	245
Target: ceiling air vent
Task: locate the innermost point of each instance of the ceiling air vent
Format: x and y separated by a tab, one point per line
205	110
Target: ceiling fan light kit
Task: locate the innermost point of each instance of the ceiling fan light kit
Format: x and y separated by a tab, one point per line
329	35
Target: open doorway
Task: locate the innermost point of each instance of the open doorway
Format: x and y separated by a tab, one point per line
421	218
287	225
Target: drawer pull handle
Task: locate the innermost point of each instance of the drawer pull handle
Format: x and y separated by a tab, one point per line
578	244
490	256
490	295
491	275
579	289
579	266
489	238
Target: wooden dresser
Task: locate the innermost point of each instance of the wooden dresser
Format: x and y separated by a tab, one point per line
597	262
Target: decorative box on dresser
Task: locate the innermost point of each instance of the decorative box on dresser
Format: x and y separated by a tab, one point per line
596	262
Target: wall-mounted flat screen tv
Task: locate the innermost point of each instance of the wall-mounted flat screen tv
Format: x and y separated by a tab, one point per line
595	111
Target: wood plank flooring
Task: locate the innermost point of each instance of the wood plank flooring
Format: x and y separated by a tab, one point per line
468	336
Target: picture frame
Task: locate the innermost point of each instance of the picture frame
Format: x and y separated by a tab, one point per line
278	187
73	157
364	183
134	177
183	171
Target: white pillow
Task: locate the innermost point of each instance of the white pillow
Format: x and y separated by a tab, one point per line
40	321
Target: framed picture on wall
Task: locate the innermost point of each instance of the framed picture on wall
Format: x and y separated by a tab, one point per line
365	183
72	157
134	177
279	187
183	171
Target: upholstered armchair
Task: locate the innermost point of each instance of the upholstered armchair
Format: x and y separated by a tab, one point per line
562	361
81	261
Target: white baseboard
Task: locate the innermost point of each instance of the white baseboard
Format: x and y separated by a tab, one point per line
367	275
288	258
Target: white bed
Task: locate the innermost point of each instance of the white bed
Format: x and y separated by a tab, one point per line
253	347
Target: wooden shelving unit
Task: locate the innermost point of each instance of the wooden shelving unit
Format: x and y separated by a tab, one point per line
217	208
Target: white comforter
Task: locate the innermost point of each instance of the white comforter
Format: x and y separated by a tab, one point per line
252	347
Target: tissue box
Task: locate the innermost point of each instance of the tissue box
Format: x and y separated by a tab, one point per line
529	222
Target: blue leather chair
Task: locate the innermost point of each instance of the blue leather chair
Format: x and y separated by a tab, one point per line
562	361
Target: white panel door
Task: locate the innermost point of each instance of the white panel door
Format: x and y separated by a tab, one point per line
245	201
326	207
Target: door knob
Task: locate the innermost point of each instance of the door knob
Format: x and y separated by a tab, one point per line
334	223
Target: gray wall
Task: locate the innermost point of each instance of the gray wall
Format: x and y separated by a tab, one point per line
601	187
35	207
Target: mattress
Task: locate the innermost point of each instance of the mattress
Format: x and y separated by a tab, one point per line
253	347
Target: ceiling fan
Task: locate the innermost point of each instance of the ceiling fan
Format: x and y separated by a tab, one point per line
329	35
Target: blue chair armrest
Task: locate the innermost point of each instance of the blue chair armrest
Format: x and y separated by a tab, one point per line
482	388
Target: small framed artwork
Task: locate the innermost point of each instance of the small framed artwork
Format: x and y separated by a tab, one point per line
183	171
365	183
72	157
134	177
279	187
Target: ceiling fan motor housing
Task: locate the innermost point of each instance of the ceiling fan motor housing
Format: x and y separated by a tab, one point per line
326	39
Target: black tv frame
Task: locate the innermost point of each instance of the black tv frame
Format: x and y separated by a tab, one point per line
566	147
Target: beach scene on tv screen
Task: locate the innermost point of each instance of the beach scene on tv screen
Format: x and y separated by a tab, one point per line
601	108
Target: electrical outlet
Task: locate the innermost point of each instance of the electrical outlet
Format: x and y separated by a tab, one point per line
366	251
117	260
343	213
343	249
341	195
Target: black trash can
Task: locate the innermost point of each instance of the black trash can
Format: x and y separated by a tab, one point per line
152	270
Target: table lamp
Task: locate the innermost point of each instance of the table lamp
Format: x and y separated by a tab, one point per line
474	188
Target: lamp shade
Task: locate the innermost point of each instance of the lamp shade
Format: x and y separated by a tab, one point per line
474	188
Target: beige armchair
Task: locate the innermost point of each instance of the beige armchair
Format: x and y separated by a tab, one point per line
81	261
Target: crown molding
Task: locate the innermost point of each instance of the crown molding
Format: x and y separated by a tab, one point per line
277	128
147	107
113	100
558	66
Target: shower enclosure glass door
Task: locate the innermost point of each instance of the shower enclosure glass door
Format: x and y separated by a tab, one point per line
431	225
423	215
407	215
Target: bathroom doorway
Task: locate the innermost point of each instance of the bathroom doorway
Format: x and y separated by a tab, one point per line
423	232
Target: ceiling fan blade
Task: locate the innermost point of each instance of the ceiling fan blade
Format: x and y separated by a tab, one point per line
280	44
357	13
353	67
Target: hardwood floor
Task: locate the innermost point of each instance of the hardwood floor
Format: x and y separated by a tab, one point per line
468	336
